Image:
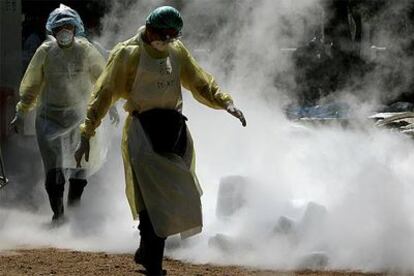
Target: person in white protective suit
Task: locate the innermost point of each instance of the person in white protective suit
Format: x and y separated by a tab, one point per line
148	71
58	82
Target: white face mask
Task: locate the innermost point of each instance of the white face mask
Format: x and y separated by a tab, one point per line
64	37
159	45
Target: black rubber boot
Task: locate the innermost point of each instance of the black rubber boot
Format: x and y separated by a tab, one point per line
139	259
139	254
55	186
151	250
57	207
76	187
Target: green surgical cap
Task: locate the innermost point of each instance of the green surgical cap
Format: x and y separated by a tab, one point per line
165	17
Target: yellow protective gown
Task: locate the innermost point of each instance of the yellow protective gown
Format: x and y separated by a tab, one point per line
59	81
119	80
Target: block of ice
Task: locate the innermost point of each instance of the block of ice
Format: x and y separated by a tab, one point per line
231	195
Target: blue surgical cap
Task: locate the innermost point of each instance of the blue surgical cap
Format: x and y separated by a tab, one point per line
65	15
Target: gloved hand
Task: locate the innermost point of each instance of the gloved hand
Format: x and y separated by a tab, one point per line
18	123
233	110
114	116
82	149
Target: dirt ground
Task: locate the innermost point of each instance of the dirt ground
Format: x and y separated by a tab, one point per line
65	262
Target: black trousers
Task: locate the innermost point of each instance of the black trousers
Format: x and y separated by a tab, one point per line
55	187
151	249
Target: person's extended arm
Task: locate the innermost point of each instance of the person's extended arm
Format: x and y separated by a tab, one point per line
30	88
96	63
203	86
110	86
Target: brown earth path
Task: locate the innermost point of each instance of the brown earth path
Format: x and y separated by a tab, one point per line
52	261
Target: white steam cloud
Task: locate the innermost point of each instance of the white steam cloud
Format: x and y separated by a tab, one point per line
313	196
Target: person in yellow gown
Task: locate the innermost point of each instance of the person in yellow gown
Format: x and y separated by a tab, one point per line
58	82
148	71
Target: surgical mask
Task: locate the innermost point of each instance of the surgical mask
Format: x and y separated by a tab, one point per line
64	37
159	45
